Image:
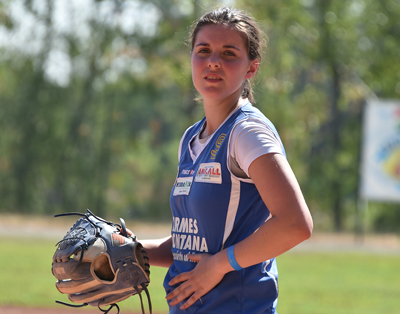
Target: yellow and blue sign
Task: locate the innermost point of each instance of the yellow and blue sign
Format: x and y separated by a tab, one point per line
380	168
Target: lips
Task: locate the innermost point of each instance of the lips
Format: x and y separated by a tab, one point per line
212	78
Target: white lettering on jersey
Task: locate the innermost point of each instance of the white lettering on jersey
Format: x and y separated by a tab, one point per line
189	242
184	237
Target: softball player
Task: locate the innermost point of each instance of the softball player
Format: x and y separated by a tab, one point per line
236	203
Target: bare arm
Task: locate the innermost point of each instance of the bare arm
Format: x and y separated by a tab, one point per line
290	223
159	251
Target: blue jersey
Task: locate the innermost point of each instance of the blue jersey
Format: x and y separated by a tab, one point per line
212	210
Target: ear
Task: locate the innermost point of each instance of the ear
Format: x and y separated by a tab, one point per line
253	67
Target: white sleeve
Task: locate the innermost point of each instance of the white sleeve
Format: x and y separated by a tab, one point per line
251	139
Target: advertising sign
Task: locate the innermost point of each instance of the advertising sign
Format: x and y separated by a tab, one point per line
380	159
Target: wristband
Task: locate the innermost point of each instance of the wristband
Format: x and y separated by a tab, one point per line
232	259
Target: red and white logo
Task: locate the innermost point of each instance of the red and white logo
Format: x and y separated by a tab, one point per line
209	173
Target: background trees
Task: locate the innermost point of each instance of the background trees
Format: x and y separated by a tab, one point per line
94	96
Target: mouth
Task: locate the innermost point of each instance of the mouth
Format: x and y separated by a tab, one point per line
212	78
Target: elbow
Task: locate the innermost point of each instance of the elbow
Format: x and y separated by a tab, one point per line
302	229
305	229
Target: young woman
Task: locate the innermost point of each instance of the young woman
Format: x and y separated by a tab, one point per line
236	204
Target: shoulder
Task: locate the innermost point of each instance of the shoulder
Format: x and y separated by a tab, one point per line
251	124
255	131
252	137
252	115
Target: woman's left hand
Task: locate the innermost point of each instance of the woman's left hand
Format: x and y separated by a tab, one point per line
196	283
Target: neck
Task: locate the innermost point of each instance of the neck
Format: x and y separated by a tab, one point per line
216	112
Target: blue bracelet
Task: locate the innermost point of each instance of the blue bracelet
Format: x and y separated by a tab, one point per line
232	259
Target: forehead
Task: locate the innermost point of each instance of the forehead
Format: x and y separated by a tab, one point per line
215	34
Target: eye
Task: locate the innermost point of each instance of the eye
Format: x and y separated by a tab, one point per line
203	50
230	53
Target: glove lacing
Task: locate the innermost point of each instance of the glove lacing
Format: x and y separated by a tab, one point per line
85	304
141	299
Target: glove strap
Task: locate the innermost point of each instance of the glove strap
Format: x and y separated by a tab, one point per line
110	308
141	299
85	304
71	305
148	296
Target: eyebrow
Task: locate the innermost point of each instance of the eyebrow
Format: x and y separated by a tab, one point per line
224	46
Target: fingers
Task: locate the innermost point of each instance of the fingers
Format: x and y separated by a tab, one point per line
180	278
179	294
185	276
195	257
129	232
191	301
186	289
183	292
196	283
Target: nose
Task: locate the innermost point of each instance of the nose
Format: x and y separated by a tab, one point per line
213	61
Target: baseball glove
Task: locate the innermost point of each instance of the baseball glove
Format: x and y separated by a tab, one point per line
100	263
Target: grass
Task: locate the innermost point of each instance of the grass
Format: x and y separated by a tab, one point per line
26	278
335	283
310	282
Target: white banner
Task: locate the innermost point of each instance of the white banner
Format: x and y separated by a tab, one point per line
380	159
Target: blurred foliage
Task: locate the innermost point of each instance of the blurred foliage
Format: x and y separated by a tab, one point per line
94	96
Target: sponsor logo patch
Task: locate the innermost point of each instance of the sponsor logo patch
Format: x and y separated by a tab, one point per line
182	186
187	172
209	173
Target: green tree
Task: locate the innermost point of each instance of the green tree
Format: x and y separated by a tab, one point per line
322	55
94	97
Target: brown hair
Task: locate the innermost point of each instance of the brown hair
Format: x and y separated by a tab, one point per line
255	39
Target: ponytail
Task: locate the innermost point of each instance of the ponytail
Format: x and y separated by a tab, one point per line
247	91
